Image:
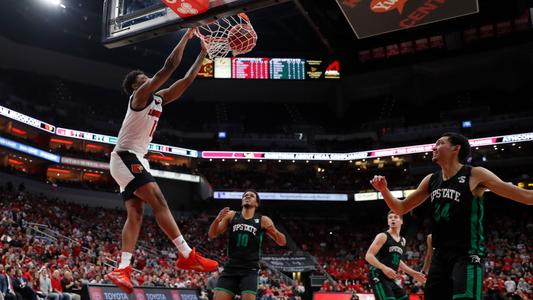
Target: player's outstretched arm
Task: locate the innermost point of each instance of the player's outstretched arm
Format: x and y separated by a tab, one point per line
402	207
171	63
487	179
418	276
221	223
178	88
371	258
272	231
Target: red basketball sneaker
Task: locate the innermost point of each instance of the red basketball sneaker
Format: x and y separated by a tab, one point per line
121	278
196	262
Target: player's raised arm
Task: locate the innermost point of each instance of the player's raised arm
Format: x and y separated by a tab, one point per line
177	88
272	231
221	222
487	179
402	207
142	94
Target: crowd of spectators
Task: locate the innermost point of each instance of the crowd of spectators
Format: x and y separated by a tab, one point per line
43	238
47	238
312	177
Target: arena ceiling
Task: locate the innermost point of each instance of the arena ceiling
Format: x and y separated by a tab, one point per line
302	28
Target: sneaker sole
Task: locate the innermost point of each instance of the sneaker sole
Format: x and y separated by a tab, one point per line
204	270
126	288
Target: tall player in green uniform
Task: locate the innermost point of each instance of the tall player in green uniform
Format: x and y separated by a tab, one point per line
246	230
456	193
385	258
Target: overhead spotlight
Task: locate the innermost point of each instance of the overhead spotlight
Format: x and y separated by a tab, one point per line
55	2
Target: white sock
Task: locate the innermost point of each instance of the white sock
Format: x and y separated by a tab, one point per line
182	245
125	260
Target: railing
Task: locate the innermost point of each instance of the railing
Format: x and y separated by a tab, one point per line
321	269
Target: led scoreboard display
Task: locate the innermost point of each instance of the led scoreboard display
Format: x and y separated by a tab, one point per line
269	68
249	68
287	68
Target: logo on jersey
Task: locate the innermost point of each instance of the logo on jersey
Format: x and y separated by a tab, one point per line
402	242
461	179
136	168
256	220
475	259
446	194
396	249
157	101
155	113
244	227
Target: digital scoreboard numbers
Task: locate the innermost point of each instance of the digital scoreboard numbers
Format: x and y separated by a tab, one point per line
249	68
270	68
287	68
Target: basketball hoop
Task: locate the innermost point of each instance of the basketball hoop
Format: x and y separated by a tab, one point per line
233	34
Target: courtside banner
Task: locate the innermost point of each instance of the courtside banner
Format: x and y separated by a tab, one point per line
109	292
290	263
348	296
283	196
373	17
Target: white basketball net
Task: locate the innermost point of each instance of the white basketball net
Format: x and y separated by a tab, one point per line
233	34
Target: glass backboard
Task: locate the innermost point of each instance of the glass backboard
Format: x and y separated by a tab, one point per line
129	21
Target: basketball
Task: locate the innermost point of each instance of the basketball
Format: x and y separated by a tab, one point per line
241	39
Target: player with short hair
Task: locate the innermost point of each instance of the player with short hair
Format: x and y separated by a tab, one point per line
131	170
246	229
457	209
385	258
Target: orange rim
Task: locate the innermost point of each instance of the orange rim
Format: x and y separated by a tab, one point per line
244	17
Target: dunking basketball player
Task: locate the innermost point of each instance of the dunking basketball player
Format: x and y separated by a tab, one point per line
456	193
131	171
385	257
244	249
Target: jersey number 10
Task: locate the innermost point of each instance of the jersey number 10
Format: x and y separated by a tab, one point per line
242	240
